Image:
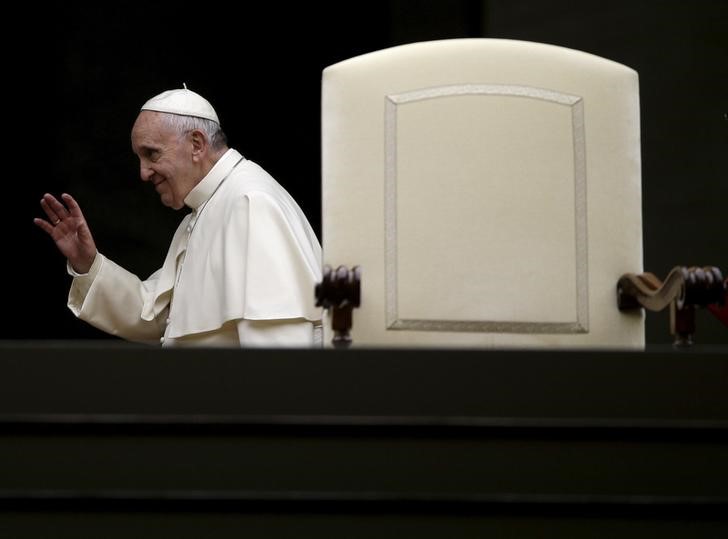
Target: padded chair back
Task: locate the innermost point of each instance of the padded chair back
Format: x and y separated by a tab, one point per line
489	190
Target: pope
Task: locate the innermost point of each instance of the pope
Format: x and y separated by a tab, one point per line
242	265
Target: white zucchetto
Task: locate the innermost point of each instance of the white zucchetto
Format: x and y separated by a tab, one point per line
182	101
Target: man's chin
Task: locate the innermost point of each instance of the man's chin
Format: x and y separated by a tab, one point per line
171	203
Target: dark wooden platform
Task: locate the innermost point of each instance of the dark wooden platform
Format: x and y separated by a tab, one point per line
113	440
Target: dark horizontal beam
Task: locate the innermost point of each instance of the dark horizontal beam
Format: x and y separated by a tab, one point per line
363	503
685	431
418	385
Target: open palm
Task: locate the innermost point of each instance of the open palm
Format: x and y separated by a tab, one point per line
67	226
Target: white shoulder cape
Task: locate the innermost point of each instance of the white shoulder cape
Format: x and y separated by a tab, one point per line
251	254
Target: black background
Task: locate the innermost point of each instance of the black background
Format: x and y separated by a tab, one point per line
75	76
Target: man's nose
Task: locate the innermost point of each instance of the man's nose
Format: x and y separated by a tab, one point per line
145	173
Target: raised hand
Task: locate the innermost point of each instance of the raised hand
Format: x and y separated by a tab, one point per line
67	226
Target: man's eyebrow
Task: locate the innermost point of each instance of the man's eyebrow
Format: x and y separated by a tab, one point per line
147	147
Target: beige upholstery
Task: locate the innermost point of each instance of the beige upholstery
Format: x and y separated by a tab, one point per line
489	190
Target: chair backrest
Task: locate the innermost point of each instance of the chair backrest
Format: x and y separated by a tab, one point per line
490	191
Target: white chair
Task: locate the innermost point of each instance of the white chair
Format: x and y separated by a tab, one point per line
489	191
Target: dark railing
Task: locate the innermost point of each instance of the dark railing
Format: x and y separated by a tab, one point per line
99	440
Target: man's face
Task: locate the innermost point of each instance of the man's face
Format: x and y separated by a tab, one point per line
165	158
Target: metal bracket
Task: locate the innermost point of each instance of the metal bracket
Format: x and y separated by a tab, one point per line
682	291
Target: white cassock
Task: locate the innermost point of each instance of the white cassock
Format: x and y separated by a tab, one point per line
241	271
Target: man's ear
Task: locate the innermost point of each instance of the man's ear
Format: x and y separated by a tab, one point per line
200	144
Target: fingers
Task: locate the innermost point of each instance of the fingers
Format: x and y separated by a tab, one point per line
53	217
56	211
52	208
73	206
58	208
44	225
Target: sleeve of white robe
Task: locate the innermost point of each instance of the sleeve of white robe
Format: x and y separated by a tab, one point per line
111	298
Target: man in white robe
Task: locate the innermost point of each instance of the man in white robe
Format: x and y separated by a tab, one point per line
242	265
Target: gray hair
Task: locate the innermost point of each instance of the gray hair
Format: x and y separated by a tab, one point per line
185	124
